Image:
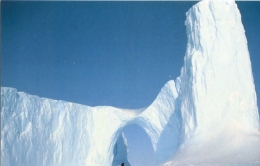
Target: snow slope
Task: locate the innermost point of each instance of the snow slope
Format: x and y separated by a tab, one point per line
209	117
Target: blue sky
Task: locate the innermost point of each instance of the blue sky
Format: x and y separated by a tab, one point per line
102	53
93	53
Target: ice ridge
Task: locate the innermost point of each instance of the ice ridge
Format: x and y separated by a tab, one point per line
40	131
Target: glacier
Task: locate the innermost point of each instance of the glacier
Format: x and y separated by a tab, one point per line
207	116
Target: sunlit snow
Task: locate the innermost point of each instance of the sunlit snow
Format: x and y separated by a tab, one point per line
207	116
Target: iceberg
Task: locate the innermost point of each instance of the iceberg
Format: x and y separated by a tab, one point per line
217	78
207	116
220	120
40	131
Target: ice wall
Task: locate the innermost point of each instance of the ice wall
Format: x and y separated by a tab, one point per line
217	84
216	90
40	131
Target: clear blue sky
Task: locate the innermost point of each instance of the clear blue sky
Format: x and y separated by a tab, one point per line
93	53
102	53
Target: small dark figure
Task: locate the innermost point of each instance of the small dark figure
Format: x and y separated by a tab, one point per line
122	164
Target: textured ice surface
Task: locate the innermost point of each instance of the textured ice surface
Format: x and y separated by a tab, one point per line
217	93
209	117
40	131
216	78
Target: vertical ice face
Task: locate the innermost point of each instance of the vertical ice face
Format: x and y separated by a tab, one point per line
120	151
43	132
216	80
40	131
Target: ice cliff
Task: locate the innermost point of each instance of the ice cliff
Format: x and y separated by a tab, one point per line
220	121
217	80
40	131
209	116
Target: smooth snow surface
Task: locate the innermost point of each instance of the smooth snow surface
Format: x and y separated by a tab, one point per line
209	117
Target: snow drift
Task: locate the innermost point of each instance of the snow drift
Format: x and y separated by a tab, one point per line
209	117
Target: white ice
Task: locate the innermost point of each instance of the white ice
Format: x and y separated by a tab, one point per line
208	116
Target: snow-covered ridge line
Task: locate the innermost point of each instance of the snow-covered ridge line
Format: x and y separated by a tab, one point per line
40	131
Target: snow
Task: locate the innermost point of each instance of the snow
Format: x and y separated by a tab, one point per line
208	117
